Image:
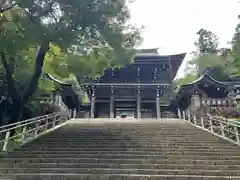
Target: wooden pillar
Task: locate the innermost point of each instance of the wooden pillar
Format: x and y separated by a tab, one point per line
158	107
139	103
111	115
138	106
92	113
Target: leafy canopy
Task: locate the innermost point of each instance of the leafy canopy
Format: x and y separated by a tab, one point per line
62	38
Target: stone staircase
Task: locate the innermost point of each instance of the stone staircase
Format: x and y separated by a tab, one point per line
129	150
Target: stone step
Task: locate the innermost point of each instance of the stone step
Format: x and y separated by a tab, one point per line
129	154
116	171
126	134
134	147
125	146
128	145
56	176
146	149
131	130
126	140
121	161
157	139
130	150
144	132
157	144
125	151
122	156
136	130
110	132
123	166
121	140
133	138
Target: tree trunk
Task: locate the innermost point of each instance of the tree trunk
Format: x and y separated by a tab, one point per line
18	102
37	72
12	91
16	115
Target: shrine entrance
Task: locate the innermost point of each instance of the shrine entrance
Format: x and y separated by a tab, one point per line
125	109
133	91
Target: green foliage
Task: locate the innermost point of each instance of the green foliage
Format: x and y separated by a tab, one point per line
236	36
79	25
186	79
209	58
62	38
207	42
236	49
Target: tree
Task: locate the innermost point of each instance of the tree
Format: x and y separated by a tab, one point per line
236	48
209	58
76	27
236	36
22	72
207	42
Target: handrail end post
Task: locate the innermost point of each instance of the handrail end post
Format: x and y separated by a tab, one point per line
195	119
5	145
222	129
23	134
237	134
179	113
202	122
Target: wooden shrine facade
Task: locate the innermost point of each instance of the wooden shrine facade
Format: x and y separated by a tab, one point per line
66	93
135	90
207	94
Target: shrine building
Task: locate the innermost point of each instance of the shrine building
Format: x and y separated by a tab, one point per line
135	90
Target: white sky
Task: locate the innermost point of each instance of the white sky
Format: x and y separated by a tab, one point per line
171	25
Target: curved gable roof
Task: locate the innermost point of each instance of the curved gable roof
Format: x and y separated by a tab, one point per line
57	80
204	77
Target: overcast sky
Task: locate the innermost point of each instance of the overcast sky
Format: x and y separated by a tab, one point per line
171	25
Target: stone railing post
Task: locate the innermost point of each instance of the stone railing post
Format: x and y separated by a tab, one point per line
54	121
189	115
23	135
195	119
202	122
179	113
222	128
74	114
237	134
46	123
36	129
5	145
184	117
211	124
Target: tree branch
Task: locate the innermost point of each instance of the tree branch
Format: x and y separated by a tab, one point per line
37	72
10	81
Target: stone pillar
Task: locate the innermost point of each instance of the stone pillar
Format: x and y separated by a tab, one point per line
74	113
184	115
158	107
179	114
92	113
111	115
189	115
138	106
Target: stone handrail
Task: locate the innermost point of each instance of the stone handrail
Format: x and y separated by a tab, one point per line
63	107
30	129
229	130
